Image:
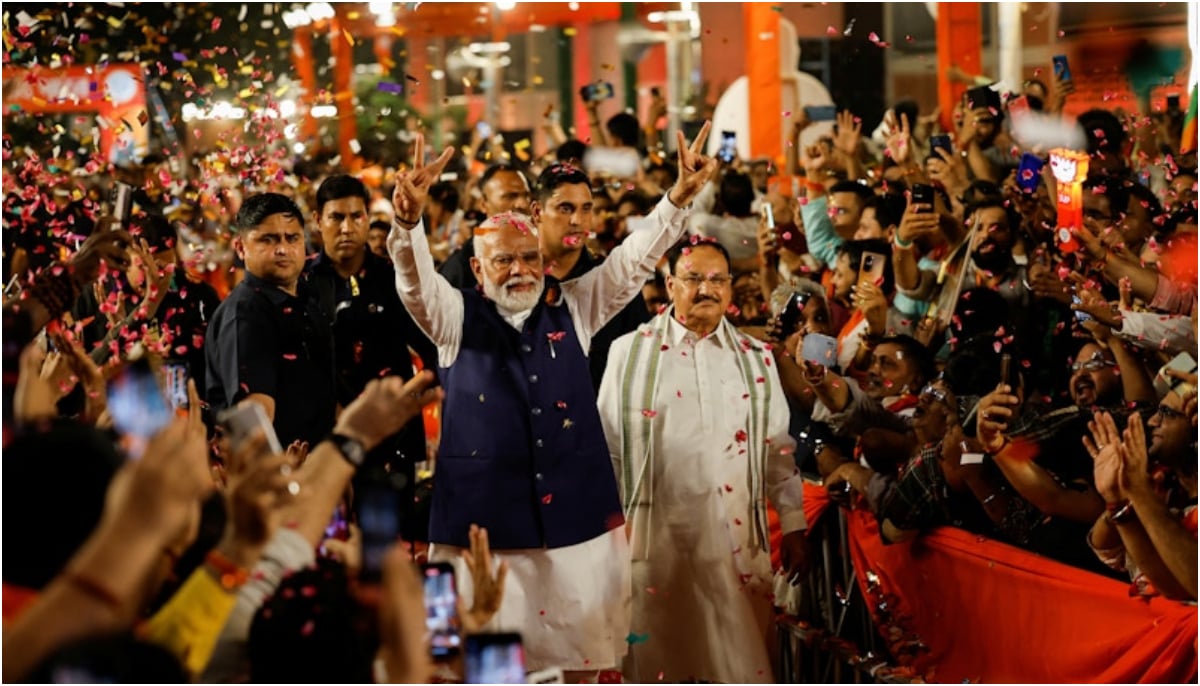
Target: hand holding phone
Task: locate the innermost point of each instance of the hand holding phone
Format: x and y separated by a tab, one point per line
871	269
1062	70
792	314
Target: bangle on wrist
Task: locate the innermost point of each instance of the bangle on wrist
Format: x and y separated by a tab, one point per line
408	222
228	573
900	243
1120	512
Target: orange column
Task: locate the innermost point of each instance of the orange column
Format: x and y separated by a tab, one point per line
416	64
341	46
959	36
302	60
581	47
762	71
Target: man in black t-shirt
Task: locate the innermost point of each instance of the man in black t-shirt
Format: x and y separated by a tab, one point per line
270	341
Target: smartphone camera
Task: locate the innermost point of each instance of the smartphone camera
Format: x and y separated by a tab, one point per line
922	193
441	609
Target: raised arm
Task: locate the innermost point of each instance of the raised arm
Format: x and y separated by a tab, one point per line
435	306
598	295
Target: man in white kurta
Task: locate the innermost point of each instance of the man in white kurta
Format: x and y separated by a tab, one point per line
570	603
696	422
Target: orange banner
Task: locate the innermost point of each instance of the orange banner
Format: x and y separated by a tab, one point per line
963	607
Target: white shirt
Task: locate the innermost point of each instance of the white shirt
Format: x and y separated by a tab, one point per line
701	589
593	299
585	586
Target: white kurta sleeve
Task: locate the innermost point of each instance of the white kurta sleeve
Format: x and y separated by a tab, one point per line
1153	331
599	294
785	486
435	305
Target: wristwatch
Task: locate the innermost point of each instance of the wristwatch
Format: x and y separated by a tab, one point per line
352	451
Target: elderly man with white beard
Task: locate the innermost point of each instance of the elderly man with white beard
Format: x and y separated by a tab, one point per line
523	452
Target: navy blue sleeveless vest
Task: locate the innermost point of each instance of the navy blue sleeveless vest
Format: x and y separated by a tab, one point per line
523	452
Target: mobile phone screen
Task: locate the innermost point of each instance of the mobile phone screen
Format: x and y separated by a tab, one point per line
138	407
768	214
495	659
441	609
728	150
379	519
177	380
819	349
821	112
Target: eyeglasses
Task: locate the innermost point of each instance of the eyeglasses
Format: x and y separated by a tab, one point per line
1093	365
717	280
935	393
1169	413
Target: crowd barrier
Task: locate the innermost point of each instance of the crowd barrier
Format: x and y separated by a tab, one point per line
952	606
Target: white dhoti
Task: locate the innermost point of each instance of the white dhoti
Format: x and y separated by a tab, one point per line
570	605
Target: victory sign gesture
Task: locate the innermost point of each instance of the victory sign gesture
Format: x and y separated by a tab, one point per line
412	186
695	169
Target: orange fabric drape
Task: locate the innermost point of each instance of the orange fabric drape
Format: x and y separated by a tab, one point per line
989	612
762	72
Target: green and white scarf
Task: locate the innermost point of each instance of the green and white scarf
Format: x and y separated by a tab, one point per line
640	424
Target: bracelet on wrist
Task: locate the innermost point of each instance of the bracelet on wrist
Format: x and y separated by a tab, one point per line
229	574
1120	512
900	243
96	590
408	222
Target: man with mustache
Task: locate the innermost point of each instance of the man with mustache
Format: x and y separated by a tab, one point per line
697	426
270	341
523	452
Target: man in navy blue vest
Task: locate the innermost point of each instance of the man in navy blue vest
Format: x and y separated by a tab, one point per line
523	452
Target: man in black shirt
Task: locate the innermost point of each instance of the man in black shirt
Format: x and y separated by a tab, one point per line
270	342
372	331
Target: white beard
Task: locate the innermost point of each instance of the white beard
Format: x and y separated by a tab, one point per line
511	301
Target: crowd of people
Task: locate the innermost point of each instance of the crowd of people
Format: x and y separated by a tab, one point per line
636	350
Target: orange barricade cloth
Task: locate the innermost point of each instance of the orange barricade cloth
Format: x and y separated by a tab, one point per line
954	606
816	501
